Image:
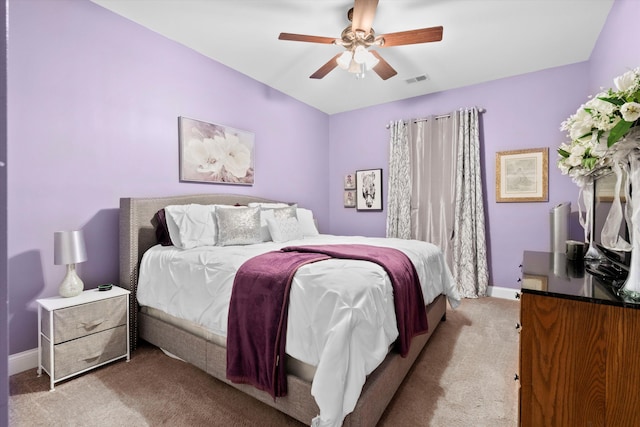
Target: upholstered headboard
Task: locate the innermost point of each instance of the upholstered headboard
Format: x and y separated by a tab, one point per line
137	234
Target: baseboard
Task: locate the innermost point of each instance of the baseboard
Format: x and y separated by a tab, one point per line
24	361
504	293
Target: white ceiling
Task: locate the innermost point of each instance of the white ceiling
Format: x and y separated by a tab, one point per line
483	40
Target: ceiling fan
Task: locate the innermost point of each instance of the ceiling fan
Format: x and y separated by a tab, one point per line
359	37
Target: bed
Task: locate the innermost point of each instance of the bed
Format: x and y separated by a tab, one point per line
197	344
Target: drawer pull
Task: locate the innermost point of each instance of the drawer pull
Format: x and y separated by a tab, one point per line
90	358
90	325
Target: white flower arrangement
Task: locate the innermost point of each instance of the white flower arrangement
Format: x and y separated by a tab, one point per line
599	125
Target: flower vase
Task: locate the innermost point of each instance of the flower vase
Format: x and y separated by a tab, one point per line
631	286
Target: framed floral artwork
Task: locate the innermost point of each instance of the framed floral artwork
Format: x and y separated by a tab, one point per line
349	181
349	198
215	154
522	175
369	190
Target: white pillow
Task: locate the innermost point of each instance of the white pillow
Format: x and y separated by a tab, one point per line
285	229
264	228
307	223
238	226
267	205
191	225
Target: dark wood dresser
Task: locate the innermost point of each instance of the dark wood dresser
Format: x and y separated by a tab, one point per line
579	348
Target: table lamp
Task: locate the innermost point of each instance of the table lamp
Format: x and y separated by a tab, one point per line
69	249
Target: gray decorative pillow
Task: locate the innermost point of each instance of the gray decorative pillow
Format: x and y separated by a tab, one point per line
238	226
288	212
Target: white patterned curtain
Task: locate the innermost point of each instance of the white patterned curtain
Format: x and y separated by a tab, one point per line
399	183
469	243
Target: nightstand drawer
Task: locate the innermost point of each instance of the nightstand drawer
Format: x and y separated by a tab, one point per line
77	321
83	353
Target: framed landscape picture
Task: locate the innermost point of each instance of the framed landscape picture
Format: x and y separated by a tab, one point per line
369	190
522	175
215	154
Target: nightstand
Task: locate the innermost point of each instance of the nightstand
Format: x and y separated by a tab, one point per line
83	332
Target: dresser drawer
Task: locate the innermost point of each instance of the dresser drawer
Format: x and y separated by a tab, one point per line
83	353
77	321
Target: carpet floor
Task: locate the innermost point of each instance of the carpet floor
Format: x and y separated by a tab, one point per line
464	377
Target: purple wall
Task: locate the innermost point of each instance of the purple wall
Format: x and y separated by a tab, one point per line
616	50
521	112
94	100
92	114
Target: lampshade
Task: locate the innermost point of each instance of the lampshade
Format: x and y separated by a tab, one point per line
354	67
360	54
345	59
68	247
370	60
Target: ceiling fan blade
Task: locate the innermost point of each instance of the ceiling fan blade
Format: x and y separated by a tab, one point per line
363	13
424	35
382	68
305	38
326	68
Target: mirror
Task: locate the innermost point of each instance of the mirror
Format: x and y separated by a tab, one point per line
604	191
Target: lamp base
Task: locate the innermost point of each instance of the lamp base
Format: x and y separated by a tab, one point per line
71	285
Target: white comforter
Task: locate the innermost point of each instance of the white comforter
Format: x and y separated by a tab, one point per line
341	312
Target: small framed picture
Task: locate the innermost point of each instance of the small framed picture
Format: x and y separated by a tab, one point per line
349	182
349	198
521	175
369	190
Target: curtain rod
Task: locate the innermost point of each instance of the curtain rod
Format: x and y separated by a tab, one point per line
442	116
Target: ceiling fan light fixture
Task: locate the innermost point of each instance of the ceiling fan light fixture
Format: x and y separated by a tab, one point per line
354	67
360	55
357	61
358	37
344	60
370	60
360	74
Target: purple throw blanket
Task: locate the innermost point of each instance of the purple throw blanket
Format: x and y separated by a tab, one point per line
257	323
258	309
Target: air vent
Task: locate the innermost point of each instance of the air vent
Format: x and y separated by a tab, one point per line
420	78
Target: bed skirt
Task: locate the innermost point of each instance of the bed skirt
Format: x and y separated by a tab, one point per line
376	394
